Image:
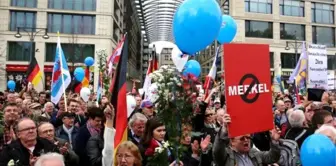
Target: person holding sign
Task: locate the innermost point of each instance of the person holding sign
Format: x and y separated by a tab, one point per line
237	150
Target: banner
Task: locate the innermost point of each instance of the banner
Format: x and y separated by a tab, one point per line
331	80
248	88
317	66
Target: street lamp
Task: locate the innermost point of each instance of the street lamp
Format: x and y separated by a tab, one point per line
31	33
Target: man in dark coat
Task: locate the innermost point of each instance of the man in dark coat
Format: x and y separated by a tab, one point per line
27	148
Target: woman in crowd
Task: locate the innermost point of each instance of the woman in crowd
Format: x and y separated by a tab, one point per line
154	136
128	154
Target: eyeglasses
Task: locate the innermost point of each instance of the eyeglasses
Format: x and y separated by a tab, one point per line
28	129
207	115
125	156
243	138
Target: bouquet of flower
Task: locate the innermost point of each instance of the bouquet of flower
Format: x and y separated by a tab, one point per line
157	155
174	102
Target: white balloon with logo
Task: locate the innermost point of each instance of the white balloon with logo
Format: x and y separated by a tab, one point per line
179	59
85	94
153	94
131	104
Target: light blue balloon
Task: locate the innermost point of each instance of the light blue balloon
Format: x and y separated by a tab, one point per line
89	61
196	24
11	85
228	30
79	74
318	150
192	67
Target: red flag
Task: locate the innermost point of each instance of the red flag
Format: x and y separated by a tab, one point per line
154	62
119	97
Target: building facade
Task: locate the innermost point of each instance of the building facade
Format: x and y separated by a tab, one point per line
85	26
165	57
276	22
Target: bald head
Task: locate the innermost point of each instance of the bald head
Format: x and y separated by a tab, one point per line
328	131
296	118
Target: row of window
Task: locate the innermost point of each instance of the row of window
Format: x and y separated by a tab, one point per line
64	23
84	5
289	60
320	12
76	53
260	29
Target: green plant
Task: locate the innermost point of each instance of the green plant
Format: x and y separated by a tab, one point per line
102	64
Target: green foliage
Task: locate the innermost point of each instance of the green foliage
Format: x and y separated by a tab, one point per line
174	104
102	66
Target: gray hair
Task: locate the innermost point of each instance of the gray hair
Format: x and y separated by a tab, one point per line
49	156
326	127
135	117
296	118
48	103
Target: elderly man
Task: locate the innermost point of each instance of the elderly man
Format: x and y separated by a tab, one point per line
219	118
298	131
48	110
50	159
11	98
47	131
28	147
328	131
136	125
238	151
147	109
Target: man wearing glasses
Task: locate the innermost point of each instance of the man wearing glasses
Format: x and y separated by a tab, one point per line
27	148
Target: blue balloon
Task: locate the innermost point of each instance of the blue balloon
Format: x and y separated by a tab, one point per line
89	61
318	150
196	24
79	74
228	30
192	67
11	85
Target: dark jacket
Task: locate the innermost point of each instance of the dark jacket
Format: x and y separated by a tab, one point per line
225	156
94	148
187	158
60	133
198	120
80	145
20	155
131	138
70	158
298	134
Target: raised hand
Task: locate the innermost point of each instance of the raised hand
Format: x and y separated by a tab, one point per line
205	143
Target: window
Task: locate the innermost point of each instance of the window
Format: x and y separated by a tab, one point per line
20	51
292	8
258	6
272	59
77	24
22	19
258	29
167	57
292	31
331	62
289	60
74	53
86	5
23	3
322	13
324	36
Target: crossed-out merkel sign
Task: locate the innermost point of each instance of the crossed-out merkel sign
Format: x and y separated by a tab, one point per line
247	85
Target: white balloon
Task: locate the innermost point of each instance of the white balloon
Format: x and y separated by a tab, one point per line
179	59
153	92
131	104
85	93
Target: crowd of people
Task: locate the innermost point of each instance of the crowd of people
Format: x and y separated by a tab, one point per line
37	132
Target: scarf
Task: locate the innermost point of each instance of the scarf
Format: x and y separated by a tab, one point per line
68	131
93	131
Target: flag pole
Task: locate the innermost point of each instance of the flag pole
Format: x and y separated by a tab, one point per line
61	66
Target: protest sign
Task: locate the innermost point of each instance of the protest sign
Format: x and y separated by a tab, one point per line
317	66
331	80
248	88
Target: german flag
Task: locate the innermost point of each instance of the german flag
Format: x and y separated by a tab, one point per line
85	83
34	74
119	97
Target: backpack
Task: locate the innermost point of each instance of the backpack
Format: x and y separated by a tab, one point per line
289	153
